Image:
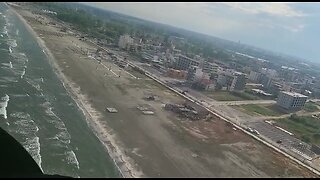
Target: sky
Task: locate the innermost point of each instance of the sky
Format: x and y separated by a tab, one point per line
289	28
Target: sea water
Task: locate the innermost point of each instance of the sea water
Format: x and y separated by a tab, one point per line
38	112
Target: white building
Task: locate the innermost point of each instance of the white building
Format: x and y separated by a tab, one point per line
291	100
125	41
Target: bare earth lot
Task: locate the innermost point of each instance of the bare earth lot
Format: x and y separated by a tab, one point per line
161	145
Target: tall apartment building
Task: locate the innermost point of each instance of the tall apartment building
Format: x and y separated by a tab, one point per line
291	100
238	82
209	67
254	76
184	62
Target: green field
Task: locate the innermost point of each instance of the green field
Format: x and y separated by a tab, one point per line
311	107
306	128
265	110
231	96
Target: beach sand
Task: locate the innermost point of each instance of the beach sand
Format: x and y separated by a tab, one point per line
159	145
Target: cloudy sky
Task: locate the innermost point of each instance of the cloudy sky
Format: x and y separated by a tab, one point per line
290	28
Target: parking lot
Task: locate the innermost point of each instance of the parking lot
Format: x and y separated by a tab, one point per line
287	141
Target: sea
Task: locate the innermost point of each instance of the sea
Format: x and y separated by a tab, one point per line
37	111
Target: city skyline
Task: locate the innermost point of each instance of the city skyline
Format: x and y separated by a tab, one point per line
288	28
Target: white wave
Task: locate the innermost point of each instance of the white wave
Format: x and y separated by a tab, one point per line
23	73
72	158
8	79
34	84
32	145
24	125
12	43
17	32
19	95
20	115
8	64
10	50
1	35
3	106
3	85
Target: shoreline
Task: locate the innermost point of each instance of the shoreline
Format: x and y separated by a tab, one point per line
92	116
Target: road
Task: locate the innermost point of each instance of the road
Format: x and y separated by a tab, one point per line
243	102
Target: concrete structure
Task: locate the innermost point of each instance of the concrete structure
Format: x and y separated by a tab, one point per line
184	62
254	76
125	42
291	100
265	80
209	67
238	82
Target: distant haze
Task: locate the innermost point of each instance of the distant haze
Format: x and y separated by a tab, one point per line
290	28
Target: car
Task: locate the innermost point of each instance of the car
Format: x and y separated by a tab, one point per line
279	141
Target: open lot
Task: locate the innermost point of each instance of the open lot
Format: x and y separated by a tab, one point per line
311	107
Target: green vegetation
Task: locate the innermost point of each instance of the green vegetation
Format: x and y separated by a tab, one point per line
231	96
311	107
265	110
306	128
110	26
223	96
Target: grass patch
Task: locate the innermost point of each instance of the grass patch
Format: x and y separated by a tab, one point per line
230	96
311	107
265	110
306	128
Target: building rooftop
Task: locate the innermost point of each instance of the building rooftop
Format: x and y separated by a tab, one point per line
294	94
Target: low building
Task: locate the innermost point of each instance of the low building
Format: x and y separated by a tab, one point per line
125	42
291	100
178	74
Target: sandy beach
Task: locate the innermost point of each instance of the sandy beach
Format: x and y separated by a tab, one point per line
92	116
159	145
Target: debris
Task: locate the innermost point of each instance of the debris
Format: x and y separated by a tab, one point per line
195	155
148	112
112	110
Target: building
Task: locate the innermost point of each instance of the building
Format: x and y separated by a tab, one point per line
291	100
125	42
238	82
191	74
209	67
184	62
265	80
254	76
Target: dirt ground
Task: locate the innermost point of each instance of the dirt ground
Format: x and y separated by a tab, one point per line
162	145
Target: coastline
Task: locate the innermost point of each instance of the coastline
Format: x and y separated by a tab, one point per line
92	116
155	143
